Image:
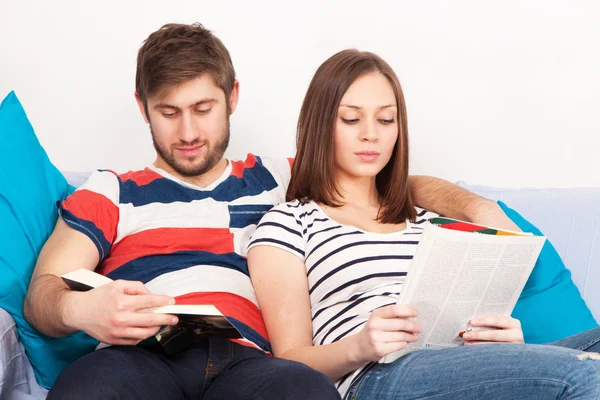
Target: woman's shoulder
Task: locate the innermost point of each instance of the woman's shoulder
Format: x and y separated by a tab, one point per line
296	212
297	208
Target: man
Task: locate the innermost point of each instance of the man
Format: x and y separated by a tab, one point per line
178	230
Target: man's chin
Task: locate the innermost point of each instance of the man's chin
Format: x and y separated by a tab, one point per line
192	169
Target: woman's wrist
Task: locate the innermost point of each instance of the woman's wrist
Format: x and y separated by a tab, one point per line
354	355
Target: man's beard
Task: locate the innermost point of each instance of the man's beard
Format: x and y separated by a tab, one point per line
213	155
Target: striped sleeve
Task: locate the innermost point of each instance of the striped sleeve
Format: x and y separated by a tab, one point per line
281	228
93	209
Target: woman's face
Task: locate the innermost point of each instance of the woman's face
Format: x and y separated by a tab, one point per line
366	127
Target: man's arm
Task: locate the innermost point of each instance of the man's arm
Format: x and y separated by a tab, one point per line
447	199
48	297
107	313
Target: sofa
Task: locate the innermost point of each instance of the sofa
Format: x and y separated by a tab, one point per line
568	217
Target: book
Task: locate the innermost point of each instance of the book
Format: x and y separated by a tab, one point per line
461	271
196	321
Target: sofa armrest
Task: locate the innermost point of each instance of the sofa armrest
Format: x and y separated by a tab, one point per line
17	380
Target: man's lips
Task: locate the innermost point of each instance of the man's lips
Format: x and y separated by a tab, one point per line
190	151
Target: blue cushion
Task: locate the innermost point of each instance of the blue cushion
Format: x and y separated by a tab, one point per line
550	307
30	186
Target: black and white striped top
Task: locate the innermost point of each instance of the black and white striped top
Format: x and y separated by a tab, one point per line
350	272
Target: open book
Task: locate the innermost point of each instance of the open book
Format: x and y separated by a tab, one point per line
461	271
196	322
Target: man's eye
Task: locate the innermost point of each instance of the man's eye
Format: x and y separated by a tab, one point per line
350	121
205	111
168	115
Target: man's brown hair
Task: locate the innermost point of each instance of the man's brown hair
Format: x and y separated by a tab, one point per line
177	53
313	171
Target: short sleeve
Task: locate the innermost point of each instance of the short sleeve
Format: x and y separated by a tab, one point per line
281	228
93	209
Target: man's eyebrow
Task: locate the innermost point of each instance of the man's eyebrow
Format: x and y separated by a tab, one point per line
206	101
360	108
160	106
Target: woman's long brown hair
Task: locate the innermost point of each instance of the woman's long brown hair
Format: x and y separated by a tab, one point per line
313	171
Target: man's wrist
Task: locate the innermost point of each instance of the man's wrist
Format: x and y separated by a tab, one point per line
69	310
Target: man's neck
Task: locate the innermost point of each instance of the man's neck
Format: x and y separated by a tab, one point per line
203	180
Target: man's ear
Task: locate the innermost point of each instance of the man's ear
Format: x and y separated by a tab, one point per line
141	107
234	96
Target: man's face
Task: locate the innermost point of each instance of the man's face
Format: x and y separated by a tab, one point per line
190	126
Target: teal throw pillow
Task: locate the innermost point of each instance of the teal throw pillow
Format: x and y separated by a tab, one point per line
550	307
30	186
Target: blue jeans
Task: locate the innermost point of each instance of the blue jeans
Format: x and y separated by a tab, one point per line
560	370
213	369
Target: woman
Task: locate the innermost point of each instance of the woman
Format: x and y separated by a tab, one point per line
328	266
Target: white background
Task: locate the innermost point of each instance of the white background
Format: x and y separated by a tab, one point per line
503	93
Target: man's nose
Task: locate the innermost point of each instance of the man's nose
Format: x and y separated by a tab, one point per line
187	130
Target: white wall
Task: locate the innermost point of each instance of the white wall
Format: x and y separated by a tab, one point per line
505	93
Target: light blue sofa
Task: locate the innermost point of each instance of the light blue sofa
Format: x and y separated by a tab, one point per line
569	218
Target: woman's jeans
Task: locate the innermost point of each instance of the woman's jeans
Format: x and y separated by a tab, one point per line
560	370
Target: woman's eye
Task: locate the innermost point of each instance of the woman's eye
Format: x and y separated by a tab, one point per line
386	121
350	121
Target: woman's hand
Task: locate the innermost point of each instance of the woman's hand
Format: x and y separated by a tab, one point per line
502	329
386	331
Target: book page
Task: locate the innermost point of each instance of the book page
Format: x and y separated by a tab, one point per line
457	276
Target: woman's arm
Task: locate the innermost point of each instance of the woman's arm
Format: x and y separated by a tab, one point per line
281	286
447	199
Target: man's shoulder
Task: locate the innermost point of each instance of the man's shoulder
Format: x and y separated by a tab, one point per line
269	174
256	162
138	177
141	176
114	185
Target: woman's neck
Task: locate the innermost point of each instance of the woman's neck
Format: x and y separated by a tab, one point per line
357	191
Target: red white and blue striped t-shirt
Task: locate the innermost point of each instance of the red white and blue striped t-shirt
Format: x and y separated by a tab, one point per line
183	240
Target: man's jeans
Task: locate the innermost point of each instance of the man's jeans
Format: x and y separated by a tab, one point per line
213	369
560	370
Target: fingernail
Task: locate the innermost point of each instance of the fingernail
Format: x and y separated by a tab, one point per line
466	336
174	321
417	328
171	302
474	321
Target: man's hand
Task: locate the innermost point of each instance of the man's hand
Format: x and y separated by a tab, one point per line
489	213
110	313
